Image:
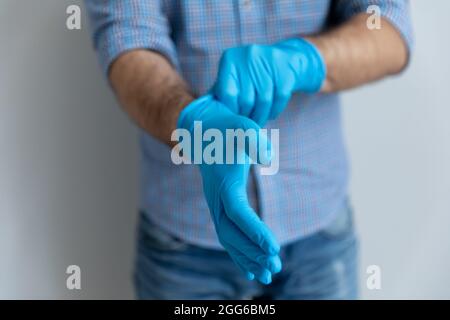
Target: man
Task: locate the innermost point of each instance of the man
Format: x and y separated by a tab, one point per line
207	230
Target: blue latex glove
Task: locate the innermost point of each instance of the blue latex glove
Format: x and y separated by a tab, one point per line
257	81
248	240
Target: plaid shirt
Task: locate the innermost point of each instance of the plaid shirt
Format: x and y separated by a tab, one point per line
311	185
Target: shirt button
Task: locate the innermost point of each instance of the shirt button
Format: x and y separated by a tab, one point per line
246	3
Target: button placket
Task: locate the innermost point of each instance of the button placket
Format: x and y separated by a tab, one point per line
246	16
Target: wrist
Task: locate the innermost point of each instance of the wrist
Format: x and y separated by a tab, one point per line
309	63
192	112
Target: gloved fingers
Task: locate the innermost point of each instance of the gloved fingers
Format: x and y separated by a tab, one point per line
245	270
260	270
282	95
255	254
230	234
259	149
247	94
239	211
226	87
262	274
264	101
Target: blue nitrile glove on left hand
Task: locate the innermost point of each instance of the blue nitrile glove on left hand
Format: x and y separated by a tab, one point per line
257	81
247	239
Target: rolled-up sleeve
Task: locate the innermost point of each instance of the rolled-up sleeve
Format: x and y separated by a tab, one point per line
119	26
397	12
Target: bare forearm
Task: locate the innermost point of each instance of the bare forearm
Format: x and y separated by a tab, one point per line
356	55
150	91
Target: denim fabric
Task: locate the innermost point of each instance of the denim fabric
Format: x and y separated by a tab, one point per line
321	266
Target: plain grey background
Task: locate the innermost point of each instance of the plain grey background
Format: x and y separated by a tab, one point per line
69	163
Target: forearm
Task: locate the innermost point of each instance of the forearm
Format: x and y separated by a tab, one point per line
150	91
355	55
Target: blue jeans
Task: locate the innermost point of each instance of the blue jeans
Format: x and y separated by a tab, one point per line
321	266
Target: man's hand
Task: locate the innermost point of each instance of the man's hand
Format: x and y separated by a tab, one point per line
247	239
257	81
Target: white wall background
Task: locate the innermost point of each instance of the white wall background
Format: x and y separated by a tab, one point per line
68	163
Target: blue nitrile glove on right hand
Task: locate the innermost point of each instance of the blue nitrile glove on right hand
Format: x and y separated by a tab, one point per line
257	81
247	239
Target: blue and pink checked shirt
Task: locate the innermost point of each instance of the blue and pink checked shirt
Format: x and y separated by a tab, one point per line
311	185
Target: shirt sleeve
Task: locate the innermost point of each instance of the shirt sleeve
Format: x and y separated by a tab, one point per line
397	12
123	25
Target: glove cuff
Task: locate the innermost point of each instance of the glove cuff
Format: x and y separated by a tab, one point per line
310	62
192	112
